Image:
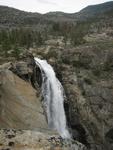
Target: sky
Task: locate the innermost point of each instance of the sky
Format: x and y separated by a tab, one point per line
44	6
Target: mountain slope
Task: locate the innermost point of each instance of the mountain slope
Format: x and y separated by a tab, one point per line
98	9
88	12
11	17
94	11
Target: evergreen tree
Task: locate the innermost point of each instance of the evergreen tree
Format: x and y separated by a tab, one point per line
16	51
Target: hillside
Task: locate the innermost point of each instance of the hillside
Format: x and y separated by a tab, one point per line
28	30
96	10
12	17
87	13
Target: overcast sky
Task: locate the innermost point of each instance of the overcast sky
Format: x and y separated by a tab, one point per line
44	6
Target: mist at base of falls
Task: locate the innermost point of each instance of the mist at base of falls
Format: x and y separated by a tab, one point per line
53	94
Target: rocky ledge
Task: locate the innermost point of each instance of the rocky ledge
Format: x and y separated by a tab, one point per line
11	139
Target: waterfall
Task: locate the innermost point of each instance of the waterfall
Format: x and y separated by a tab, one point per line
53	94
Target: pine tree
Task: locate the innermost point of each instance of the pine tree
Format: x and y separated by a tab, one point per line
16	51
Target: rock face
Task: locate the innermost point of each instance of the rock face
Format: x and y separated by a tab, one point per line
87	77
19	105
86	73
11	139
88	81
21	108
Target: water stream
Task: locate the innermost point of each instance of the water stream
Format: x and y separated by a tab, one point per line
53	94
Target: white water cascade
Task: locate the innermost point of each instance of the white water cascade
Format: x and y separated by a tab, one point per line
53	94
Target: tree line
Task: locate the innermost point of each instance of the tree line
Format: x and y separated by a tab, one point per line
17	38
74	32
14	39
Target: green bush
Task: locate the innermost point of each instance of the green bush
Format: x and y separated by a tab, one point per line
97	71
88	81
16	51
52	53
78	32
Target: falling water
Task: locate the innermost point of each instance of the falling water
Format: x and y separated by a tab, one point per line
53	94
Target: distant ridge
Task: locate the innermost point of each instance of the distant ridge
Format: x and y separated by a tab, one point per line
12	17
97	9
